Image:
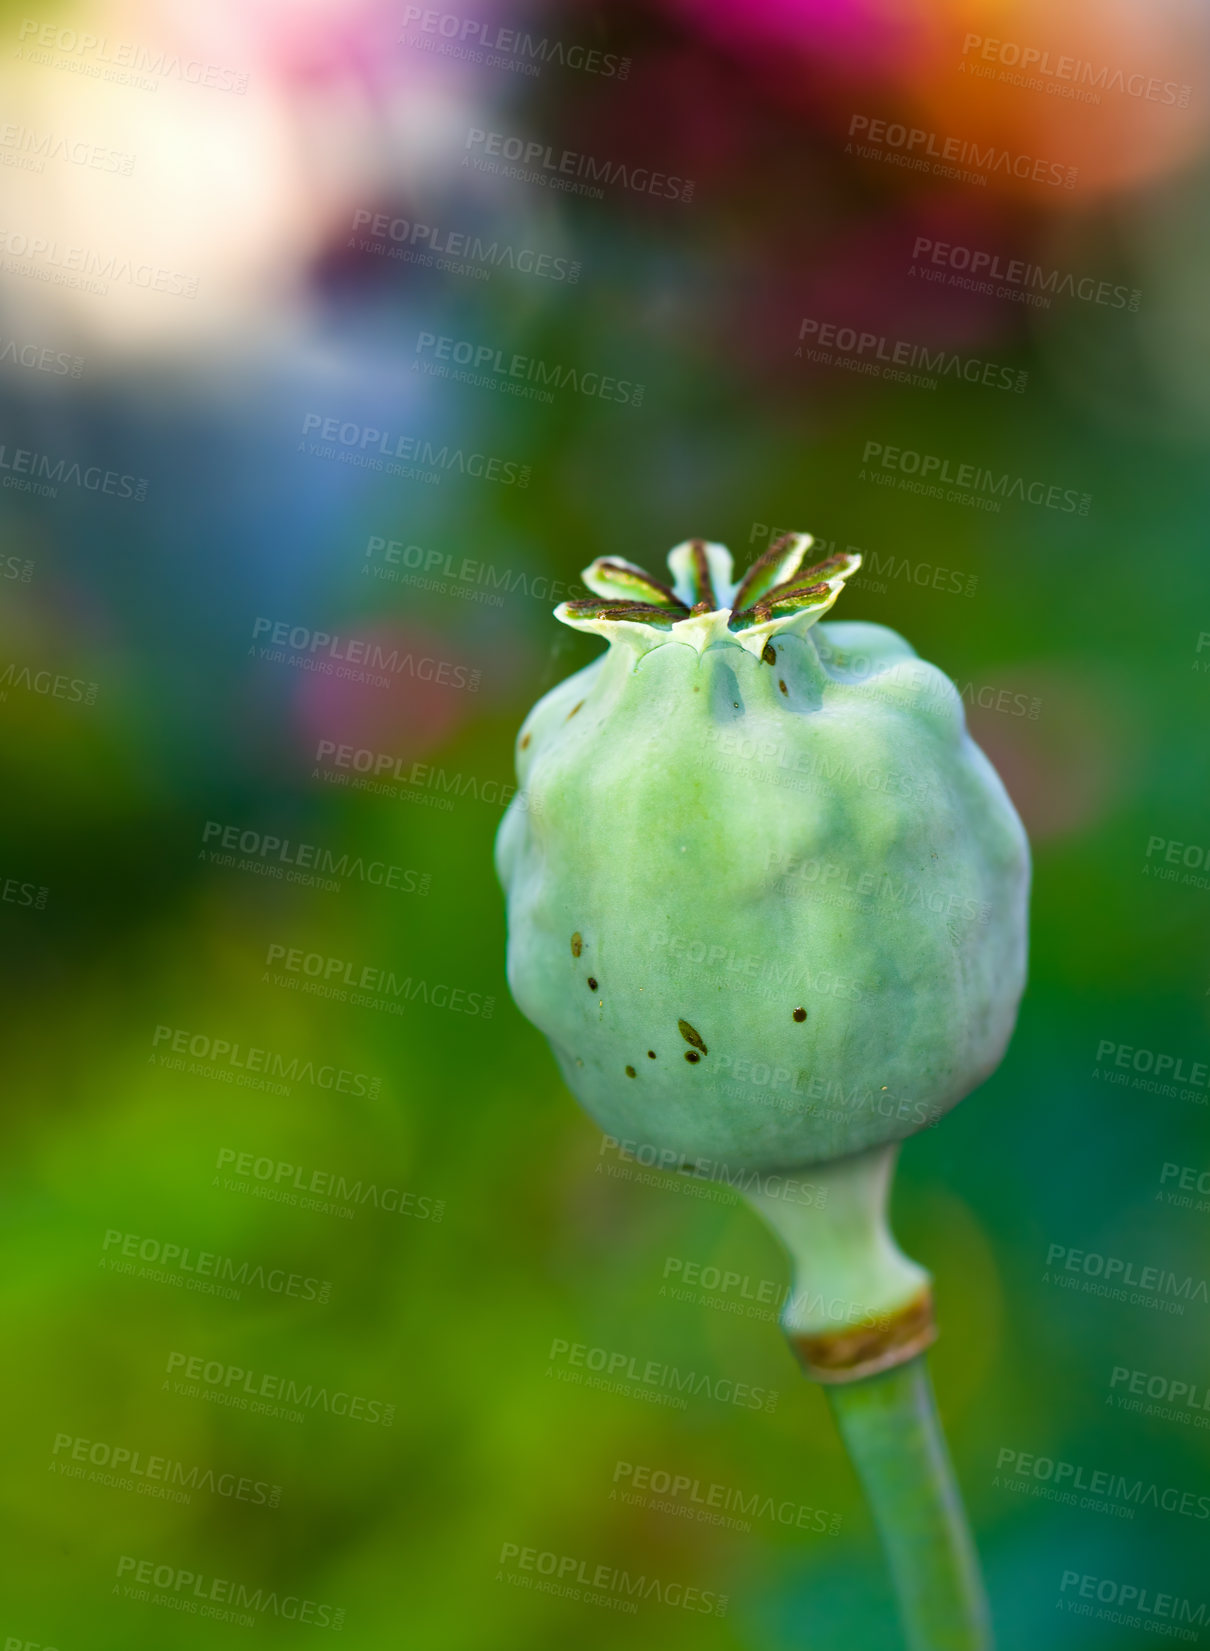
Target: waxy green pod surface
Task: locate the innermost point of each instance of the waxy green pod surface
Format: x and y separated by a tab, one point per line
766	897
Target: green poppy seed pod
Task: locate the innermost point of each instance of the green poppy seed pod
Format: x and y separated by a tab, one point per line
766	897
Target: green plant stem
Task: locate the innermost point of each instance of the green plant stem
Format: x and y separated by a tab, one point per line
893	1435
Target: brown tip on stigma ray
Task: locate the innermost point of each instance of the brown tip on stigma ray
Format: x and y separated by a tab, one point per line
707	601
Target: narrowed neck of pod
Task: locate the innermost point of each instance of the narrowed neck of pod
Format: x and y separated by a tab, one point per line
858	1305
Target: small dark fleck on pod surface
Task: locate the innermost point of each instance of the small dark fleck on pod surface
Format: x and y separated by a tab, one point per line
577	944
630	1073
781	683
651	1054
592	984
690	1036
525	739
800	1014
573	711
692	1056
769	654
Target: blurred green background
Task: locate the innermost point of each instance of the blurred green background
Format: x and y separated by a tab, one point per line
192	284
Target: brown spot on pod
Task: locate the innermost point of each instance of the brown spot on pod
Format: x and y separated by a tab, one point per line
769	654
781	683
525	739
630	1072
573	711
690	1036
592	984
800	1014
651	1054
577	944
692	1056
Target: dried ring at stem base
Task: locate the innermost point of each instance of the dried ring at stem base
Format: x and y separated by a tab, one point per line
863	1350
